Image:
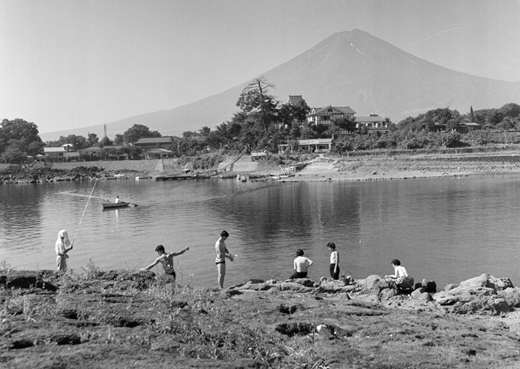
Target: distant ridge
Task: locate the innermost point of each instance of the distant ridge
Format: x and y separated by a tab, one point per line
351	68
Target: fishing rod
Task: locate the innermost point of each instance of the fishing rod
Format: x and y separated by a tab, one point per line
83	213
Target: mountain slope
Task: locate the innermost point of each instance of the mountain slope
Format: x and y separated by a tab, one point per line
349	68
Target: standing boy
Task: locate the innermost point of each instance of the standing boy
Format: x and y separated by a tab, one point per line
222	254
166	259
62	247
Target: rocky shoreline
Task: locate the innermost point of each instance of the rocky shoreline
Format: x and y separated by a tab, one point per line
119	319
370	167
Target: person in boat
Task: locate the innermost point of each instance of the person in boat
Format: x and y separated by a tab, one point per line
116	200
301	263
334	261
166	259
62	247
400	280
222	254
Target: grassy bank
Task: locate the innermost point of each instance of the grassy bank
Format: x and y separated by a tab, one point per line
123	319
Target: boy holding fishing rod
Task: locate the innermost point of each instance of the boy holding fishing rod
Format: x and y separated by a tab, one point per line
166	259
62	247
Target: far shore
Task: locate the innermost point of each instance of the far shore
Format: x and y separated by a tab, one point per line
323	167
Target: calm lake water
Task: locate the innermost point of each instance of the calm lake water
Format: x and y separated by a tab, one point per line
445	229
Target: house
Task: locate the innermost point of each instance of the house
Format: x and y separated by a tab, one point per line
472	126
314	145
374	123
296	100
62	153
463	127
158	154
258	155
155	142
329	114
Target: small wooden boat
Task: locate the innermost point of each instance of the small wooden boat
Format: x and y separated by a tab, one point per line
113	205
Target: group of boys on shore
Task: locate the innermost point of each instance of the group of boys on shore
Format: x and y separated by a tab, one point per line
399	280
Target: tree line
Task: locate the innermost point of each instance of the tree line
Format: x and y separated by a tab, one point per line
263	122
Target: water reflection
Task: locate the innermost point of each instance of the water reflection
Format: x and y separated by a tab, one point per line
445	229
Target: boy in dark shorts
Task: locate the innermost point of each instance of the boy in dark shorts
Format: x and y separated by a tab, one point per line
166	259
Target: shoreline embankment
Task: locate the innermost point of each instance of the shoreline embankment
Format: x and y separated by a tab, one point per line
322	167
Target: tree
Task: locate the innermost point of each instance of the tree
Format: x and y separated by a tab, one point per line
119	140
511	110
25	133
137	131
14	152
92	139
290	115
257	104
78	142
454	121
346	124
205	131
105	141
493	118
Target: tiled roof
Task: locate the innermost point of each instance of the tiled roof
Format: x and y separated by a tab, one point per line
342	109
295	99
154	140
159	151
54	149
370	118
316	141
91	149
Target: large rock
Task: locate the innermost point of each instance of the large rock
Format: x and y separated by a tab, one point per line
329	285
421	295
477	295
511	296
372	284
293	286
486	280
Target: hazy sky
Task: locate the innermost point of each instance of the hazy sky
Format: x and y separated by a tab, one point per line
67	64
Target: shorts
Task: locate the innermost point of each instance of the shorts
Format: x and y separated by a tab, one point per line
220	262
172	274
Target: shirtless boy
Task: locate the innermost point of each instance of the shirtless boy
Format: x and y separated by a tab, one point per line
166	259
222	254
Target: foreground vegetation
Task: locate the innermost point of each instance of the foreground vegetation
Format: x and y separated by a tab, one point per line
120	319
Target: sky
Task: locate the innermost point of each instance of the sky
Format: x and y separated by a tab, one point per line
69	64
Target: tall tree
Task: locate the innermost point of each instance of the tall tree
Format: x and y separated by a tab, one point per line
119	140
258	104
105	141
137	131
14	153
92	139
22	134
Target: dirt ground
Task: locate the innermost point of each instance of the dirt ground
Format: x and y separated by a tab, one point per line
123	319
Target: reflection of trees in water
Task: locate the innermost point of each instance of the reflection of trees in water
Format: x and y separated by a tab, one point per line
19	208
295	210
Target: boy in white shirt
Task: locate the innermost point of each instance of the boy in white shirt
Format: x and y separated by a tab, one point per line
301	263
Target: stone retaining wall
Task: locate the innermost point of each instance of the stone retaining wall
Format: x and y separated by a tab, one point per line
143	166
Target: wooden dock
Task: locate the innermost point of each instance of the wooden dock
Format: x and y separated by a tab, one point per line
179	177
